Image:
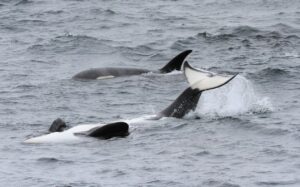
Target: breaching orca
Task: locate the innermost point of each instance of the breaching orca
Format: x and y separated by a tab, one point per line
199	81
110	72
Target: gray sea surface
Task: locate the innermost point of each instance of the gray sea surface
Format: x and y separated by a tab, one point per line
246	133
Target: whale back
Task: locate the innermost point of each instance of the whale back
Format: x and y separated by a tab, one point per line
110	72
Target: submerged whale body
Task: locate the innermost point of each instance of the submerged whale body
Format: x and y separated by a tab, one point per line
199	81
111	72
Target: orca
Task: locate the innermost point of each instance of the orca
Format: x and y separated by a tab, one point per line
199	81
111	72
99	131
117	129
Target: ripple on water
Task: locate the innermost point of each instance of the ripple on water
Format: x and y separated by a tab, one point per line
245	37
24	2
278	182
72	43
51	160
217	183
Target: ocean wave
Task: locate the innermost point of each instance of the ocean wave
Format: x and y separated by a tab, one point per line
13	28
272	72
247	32
52	160
54	12
72	43
101	11
109	12
244	31
32	22
217	183
276	73
25	87
134	53
274	132
278	182
47	13
69	38
23	2
285	28
141	49
292	36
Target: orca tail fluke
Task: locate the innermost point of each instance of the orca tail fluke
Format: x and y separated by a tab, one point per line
199	80
176	62
204	80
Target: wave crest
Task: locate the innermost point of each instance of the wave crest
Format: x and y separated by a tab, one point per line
247	32
71	43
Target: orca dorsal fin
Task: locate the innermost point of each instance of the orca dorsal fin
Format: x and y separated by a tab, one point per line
176	62
204	80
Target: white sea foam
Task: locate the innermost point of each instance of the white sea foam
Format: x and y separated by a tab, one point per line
236	98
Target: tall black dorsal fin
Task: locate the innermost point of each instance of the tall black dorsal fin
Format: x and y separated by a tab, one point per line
176	62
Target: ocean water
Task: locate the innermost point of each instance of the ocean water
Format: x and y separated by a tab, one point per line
246	133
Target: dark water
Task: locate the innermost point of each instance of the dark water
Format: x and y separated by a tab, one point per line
248	133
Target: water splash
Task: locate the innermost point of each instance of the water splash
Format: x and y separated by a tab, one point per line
236	98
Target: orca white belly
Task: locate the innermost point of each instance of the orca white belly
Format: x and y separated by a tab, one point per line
63	137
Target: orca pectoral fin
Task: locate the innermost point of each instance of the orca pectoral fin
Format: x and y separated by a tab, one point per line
204	80
176	62
117	129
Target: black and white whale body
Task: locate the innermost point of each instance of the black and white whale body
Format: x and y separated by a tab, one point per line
199	80
111	72
99	131
116	129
